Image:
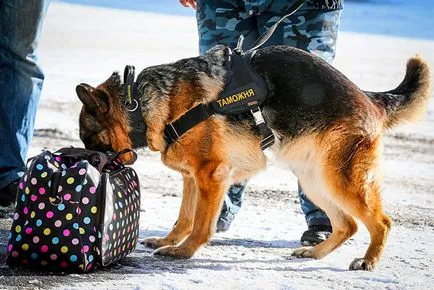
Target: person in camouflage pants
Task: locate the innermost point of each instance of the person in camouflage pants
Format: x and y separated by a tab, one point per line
313	28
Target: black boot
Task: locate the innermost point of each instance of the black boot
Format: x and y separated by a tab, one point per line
315	235
8	196
224	222
231	206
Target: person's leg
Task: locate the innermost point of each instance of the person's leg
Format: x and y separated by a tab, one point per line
231	206
20	83
222	23
314	31
318	224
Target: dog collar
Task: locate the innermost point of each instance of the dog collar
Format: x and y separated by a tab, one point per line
132	105
172	132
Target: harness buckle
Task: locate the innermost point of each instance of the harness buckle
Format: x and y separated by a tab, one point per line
267	134
257	115
239	48
174	131
170	133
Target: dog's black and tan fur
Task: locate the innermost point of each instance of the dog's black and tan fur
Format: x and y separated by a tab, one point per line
328	130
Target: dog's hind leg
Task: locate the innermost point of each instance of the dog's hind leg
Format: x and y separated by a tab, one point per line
211	183
357	190
184	224
343	224
305	157
354	177
378	225
347	185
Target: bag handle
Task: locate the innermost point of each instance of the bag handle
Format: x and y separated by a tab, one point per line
122	152
96	158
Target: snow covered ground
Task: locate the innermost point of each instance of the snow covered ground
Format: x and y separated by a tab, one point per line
85	44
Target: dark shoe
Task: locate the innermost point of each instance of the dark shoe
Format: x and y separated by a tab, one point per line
8	196
224	223
231	206
315	235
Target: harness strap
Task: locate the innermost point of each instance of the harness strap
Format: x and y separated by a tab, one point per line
201	112
129	75
190	119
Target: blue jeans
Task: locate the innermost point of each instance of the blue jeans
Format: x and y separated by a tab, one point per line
313	215
20	82
222	22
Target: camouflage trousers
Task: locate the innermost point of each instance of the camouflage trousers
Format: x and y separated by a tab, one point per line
308	29
222	22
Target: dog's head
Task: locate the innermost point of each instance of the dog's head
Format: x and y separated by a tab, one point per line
103	119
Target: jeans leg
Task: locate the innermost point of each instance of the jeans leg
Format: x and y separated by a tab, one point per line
314	216
20	81
233	201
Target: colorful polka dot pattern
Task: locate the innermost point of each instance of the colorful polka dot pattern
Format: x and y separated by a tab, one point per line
59	222
121	223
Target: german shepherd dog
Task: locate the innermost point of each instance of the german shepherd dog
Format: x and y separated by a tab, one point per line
327	129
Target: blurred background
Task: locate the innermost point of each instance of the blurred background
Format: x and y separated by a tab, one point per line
408	18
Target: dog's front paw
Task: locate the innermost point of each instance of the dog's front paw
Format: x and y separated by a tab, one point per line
362	264
174	252
156	243
303	252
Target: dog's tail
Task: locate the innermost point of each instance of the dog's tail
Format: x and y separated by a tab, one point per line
408	102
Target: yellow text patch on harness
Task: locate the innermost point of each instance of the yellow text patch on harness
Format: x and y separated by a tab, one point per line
244	88
236	97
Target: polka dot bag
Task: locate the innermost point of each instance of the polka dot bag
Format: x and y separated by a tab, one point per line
76	210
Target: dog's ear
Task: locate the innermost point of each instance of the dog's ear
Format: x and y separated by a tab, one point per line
114	81
93	100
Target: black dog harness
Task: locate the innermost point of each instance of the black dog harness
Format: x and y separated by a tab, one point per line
245	91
